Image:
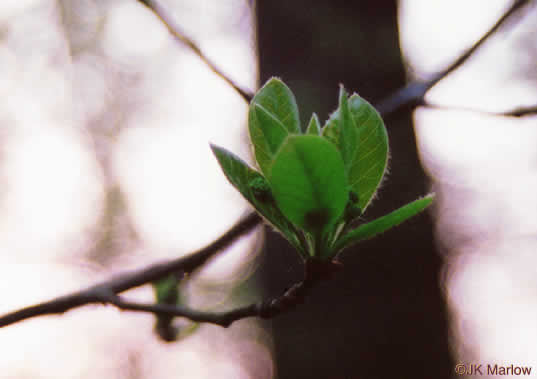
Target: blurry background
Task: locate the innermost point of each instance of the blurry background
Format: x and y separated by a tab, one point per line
104	165
484	170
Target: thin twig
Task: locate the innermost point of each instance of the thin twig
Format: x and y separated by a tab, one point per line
517	112
219	318
314	272
520	112
180	36
414	92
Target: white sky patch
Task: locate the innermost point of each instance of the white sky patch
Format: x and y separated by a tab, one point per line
489	79
68	346
14	8
173	184
493	313
128	22
475	146
240	353
10	70
52	195
444	29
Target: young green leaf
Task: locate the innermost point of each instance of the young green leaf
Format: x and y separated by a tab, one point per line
383	223
273	130
250	184
308	181
314	127
348	134
276	100
369	163
166	292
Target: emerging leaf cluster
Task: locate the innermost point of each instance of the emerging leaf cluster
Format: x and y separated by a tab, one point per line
313	186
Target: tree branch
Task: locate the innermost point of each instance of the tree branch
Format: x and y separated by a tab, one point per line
414	92
520	112
314	272
178	34
101	292
517	112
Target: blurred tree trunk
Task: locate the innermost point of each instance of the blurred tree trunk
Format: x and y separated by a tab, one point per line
383	316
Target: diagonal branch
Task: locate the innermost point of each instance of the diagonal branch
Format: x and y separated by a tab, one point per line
180	36
101	292
517	112
520	112
414	92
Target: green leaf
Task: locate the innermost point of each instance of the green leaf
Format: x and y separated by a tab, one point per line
308	182
370	160
273	130
279	102
251	185
383	223
314	126
348	140
166	292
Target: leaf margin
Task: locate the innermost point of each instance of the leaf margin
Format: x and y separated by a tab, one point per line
270	212
383	223
278	100
331	131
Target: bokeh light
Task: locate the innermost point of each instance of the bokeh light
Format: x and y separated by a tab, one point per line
105	166
483	169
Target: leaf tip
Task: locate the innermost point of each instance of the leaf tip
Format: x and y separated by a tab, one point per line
214	148
343	96
430	196
314	126
271	81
